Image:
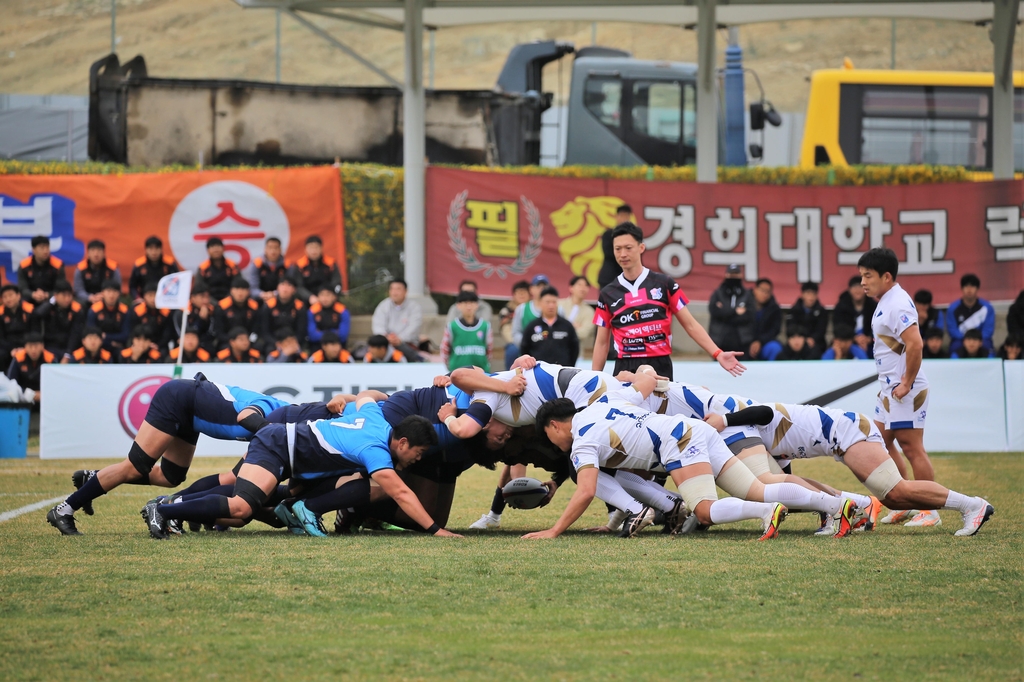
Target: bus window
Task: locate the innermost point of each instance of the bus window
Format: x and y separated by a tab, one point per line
657	107
915	124
601	97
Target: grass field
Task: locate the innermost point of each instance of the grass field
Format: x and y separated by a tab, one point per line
259	604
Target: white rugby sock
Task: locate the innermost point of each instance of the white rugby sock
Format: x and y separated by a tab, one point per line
863	501
962	503
64	509
609	490
729	509
648	492
798	497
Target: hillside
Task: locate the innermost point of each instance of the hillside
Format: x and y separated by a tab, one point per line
46	46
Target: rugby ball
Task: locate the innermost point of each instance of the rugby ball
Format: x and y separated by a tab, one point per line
524	493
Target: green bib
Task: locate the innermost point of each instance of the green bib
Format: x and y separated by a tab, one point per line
469	345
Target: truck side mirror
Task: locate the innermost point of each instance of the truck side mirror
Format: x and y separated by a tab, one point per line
757	116
756	152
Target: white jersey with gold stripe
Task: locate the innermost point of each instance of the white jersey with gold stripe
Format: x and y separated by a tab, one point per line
806	431
546	382
619	435
894	314
693	401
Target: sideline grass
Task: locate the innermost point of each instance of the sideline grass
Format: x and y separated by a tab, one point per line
894	604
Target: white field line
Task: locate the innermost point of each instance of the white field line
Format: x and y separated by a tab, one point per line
15	513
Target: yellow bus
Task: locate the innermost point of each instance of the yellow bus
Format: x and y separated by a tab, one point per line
943	118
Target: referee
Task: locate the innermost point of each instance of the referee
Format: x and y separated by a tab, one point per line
636	310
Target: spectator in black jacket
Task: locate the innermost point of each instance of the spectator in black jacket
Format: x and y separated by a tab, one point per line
62	319
314	270
551	337
38	273
1011	349
809	316
928	318
933	349
150	268
217	271
767	323
284	311
732	313
796	346
1015	317
854	310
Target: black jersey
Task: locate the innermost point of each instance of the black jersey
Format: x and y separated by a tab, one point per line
639	313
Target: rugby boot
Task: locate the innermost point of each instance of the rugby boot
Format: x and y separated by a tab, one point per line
867	518
926	518
976	518
486	522
675	517
65	523
634	523
844	523
827	527
311	523
284	513
772	521
80	478
898	516
154	521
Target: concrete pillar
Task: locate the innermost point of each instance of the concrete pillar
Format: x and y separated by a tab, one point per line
707	100
414	151
1004	25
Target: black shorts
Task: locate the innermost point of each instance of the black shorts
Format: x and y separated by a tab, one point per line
268	450
662	364
173	409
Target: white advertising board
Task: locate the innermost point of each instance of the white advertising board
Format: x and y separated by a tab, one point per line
94	411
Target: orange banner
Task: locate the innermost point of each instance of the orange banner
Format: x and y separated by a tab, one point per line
243	208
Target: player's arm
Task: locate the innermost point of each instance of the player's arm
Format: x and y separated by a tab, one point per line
462	427
394	488
367	397
602	342
586	488
727	359
755	415
913	348
473	379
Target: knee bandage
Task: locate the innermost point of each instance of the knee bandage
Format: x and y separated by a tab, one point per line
251	493
773	466
697	489
883	479
736	480
758	463
174	473
142	462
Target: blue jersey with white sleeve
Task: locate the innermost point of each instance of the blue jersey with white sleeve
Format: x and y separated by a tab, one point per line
358	440
216	409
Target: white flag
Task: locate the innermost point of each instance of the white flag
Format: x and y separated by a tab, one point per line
173	291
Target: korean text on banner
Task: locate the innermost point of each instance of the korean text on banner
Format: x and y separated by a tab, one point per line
173	290
500	228
243	208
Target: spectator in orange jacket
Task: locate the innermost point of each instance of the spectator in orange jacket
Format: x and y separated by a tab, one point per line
150	268
217	271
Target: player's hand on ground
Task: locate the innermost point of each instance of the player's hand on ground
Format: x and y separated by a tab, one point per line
541	535
442	381
442	533
552	489
716	421
730	362
524	362
447	410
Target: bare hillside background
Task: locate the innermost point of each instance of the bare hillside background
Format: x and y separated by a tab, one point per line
46	46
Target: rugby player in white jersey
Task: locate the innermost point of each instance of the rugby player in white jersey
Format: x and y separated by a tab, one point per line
545	382
613	433
806	431
744	441
903	388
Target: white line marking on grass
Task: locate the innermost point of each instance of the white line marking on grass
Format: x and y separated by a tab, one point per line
15	513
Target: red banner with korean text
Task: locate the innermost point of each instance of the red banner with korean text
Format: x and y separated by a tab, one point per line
496	229
242	207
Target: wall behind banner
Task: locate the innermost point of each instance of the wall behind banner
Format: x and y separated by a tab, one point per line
499	228
118	396
184	209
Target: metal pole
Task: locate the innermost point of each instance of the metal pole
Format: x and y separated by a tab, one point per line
1004	25
414	150
71	134
277	47
707	101
593	33
431	34
735	130
892	46
113	26
181	343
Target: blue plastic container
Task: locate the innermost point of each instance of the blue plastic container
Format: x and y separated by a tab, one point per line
14	420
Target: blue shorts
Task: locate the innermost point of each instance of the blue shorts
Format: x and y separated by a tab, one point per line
306	412
268	450
173	408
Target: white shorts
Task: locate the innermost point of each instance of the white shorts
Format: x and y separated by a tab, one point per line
704	445
908	413
852	428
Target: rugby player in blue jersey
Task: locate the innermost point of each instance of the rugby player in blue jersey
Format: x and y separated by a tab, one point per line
360	441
